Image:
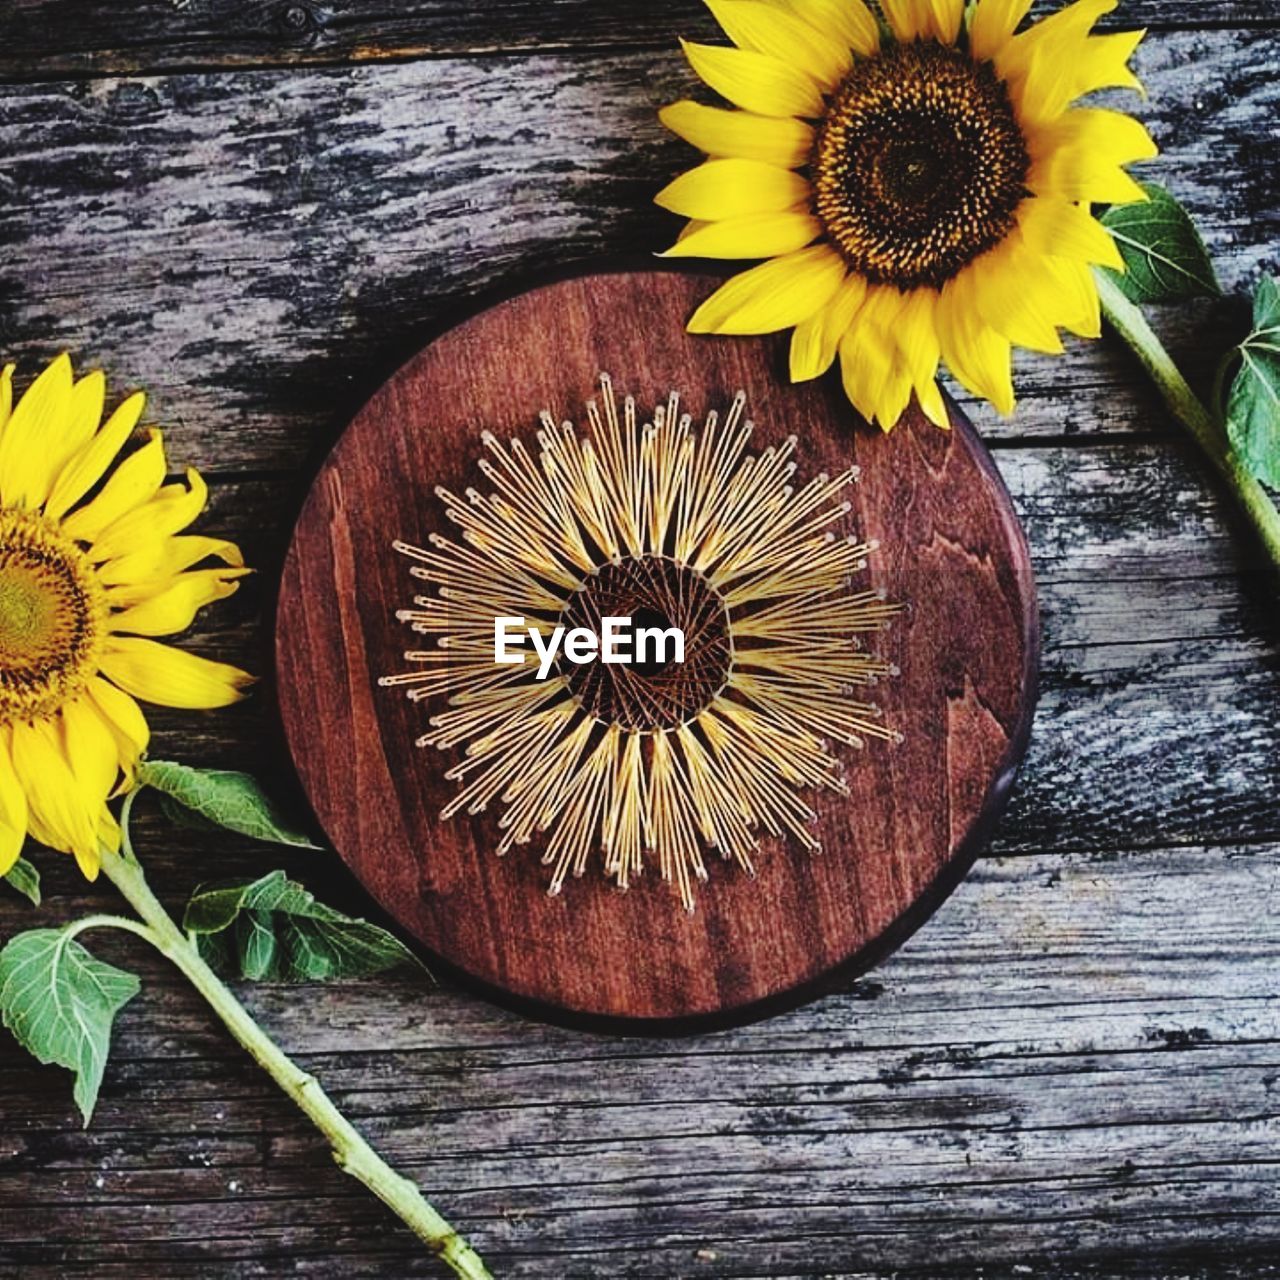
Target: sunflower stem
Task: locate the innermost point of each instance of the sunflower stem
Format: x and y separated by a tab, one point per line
352	1153
1206	428
112	922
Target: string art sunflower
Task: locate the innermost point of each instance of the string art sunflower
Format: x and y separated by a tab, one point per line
94	565
673	526
920	188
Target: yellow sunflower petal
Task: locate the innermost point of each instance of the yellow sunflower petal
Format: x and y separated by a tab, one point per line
869	355
1008	293
81	418
1048	301
895	396
815	341
733	189
980	358
13	812
56	811
1104	63
34	427
136	574
993	24
851	20
774	295
174	608
109	830
916	333
1103	185
690	227
755	81
924	19
866	361
170	511
760	235
171	677
85	468
1112	136
907	18
1078	308
851	376
932	403
740	135
91	752
1078	156
766	28
879	322
1055	34
947	16
1056	61
6	394
124	718
1057	77
1054	226
135	481
84	416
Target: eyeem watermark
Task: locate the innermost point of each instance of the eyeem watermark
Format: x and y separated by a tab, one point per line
618	642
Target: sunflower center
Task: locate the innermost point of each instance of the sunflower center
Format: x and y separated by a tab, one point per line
52	618
919	165
655	593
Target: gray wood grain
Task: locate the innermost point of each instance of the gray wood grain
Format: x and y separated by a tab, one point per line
1080	1049
1108	1088
261	249
1070	1073
40	38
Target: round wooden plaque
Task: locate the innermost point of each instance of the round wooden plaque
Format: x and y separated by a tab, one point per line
968	650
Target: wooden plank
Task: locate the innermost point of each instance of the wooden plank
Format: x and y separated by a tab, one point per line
263	250
45	38
1108	1087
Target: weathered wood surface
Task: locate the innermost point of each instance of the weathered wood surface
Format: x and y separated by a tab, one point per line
1071	1072
263	249
39	38
1105	1095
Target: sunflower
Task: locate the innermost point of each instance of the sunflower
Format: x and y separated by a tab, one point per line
672	526
92	566
921	191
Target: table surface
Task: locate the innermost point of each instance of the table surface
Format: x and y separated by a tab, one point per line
257	210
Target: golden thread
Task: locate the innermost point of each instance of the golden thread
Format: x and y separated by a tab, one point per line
653	591
686	524
919	165
53	614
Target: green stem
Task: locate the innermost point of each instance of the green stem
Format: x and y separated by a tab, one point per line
350	1150
111	922
1129	322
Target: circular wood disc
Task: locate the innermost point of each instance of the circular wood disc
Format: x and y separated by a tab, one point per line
950	546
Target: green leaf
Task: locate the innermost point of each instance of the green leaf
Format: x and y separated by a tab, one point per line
183	817
225	798
23	877
60	1003
272	929
1166	258
1253	409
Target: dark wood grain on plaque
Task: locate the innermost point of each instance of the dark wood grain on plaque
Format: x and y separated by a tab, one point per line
950	546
